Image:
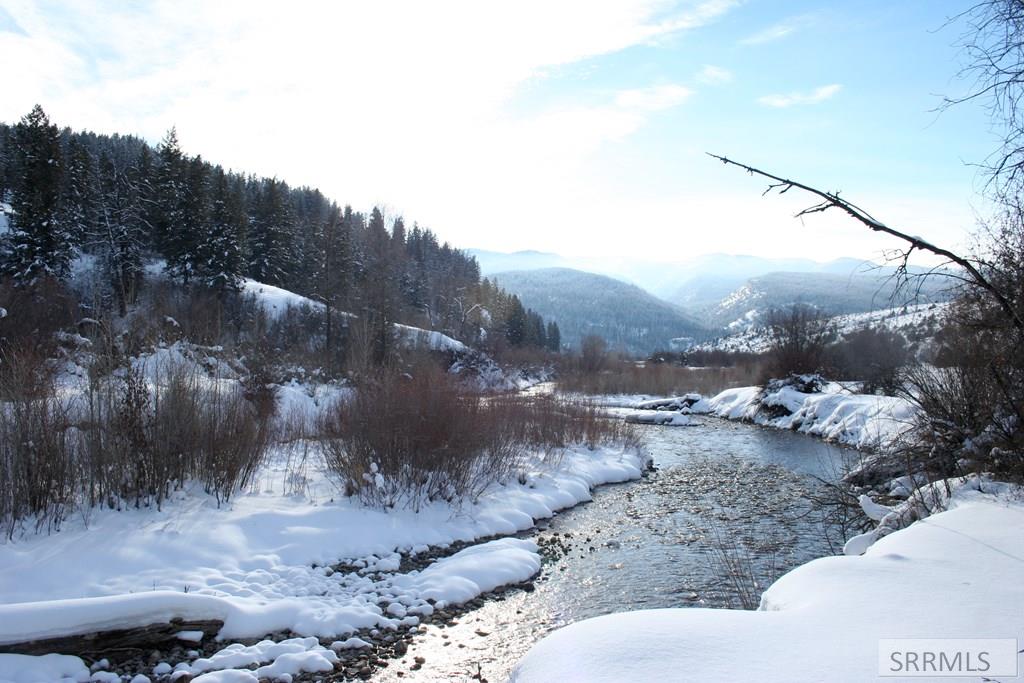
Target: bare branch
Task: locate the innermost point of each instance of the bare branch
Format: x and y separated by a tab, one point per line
832	200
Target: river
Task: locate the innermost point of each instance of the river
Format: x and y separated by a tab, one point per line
727	500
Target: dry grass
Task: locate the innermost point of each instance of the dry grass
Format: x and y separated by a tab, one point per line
659	379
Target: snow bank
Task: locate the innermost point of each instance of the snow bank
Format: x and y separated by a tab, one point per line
262	563
274	300
858	420
26	669
429	339
952	575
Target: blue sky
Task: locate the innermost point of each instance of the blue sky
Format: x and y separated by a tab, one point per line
576	127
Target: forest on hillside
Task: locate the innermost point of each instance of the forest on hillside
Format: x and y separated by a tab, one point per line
114	204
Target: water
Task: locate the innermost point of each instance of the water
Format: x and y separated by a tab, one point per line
725	495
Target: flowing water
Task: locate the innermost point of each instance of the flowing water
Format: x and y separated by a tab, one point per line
724	495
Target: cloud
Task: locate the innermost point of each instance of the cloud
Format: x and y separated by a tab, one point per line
778	31
654	98
814	97
714	75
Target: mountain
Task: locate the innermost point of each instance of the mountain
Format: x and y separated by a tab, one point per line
693	283
497	262
704	280
831	293
583	303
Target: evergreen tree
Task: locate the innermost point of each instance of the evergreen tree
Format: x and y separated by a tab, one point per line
515	323
6	166
182	249
332	270
78	197
381	293
37	244
554	337
269	257
167	216
219	262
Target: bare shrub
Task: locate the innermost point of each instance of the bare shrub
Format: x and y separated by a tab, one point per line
658	379
411	440
875	357
33	314
38	468
740	569
799	336
127	442
593	353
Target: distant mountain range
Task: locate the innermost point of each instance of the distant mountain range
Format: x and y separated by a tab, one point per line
641	306
628	317
830	293
499	262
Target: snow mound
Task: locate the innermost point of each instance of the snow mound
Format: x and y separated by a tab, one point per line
859	420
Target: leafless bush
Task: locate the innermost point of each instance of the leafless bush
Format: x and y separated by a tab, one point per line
659	379
38	468
876	357
738	569
405	440
128	441
799	336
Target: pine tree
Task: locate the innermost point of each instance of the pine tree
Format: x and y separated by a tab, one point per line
38	243
269	258
6	165
554	337
382	289
78	196
331	275
168	207
515	323
183	244
219	262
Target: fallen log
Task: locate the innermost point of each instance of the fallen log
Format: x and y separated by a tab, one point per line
92	645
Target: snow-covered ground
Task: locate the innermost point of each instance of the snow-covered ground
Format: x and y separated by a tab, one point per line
276	301
863	421
747	336
955	574
261	563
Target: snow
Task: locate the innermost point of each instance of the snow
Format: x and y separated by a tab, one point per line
660	417
27	669
261	564
859	420
429	339
952	575
274	300
749	337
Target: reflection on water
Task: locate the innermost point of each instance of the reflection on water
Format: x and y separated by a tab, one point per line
651	544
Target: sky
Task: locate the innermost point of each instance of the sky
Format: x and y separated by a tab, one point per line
575	127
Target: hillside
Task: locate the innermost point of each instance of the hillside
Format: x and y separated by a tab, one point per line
833	294
499	262
628	317
915	322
